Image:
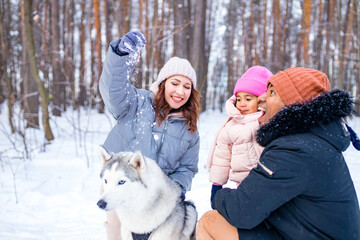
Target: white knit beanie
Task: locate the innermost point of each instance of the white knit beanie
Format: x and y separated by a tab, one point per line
175	66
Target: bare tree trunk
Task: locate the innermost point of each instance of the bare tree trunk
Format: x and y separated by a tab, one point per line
265	35
122	16
30	96
69	53
357	53
138	74
141	15
154	30
98	52
148	46
181	24
3	60
337	28
329	25
245	37
318	41
124	5
343	81
82	92
198	50
252	38
3	65
305	31
107	13
160	59
162	35
276	49
45	60
229	46
34	70
159	55
209	37
285	55
92	59
58	78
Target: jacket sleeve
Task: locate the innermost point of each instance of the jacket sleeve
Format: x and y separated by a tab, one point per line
116	90
188	165
220	167
279	177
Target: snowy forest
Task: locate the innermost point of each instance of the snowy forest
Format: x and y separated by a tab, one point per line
53	119
52	51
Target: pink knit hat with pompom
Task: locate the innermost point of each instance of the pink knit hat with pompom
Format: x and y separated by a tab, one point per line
253	81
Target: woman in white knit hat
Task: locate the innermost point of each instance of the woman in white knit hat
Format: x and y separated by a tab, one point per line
161	123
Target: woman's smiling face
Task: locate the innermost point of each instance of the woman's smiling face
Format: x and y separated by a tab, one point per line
177	90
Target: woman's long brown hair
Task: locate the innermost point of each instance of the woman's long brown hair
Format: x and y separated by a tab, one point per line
190	109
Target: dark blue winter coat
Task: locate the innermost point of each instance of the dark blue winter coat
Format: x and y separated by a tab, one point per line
302	187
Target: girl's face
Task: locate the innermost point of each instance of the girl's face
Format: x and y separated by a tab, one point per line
246	103
177	91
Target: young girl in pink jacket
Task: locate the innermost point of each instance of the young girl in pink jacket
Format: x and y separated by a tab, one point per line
235	150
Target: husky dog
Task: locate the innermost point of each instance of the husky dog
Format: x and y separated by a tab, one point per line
147	202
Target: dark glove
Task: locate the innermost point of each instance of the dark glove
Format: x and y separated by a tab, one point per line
214	189
182	197
131	42
354	138
183	191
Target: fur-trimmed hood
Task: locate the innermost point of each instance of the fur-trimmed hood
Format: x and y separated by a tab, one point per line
301	117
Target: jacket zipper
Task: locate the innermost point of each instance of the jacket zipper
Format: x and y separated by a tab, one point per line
266	169
163	135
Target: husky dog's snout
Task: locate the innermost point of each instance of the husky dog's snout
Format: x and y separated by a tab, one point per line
101	204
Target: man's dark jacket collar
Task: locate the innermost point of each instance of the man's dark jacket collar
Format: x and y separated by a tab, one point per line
301	117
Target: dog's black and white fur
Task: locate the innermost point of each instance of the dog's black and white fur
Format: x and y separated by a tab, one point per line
147	202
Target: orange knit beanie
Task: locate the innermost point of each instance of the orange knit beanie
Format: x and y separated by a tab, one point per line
299	84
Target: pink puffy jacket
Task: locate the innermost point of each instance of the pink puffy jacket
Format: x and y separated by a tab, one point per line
235	150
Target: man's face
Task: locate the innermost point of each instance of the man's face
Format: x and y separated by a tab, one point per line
269	102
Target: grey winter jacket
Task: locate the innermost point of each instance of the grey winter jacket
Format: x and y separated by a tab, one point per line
171	145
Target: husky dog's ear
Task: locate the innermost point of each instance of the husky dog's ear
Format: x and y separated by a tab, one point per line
138	161
104	155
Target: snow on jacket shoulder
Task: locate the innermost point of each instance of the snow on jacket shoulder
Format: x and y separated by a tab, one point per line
235	150
171	145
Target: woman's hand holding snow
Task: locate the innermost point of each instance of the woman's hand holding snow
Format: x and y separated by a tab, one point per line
131	42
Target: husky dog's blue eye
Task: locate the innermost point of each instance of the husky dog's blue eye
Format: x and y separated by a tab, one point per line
121	182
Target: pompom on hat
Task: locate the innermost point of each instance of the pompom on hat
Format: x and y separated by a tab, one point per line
299	84
253	81
174	66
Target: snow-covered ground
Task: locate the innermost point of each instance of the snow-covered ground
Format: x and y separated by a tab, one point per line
54	195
